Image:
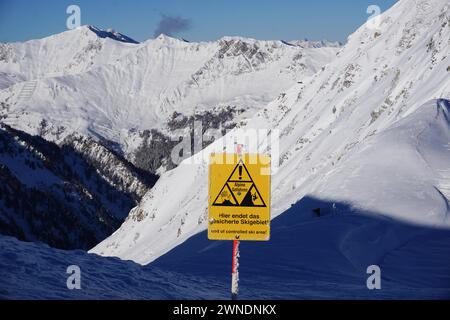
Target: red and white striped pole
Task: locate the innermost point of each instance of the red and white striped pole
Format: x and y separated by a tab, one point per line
235	271
235	258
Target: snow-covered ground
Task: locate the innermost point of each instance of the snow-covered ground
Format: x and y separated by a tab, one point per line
327	257
363	131
307	258
36	271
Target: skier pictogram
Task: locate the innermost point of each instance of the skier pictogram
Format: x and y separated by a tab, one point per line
239	190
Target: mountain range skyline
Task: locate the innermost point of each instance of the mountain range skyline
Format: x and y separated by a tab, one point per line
194	20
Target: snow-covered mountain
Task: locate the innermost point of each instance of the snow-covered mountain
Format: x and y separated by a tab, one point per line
364	131
70	52
83	81
101	96
69	196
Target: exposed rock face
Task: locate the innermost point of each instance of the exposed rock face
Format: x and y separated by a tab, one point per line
154	152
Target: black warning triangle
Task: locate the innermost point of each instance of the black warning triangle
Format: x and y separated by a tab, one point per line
253	198
225	198
239	190
240	174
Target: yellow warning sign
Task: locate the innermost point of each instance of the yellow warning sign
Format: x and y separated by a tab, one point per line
239	197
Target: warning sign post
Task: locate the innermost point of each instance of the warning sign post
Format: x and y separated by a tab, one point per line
239	197
239	202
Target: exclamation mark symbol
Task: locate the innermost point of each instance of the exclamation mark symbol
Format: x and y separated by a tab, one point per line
240	172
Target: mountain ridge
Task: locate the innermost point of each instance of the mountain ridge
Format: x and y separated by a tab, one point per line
69	196
140	86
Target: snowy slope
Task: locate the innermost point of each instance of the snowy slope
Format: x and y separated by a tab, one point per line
35	271
69	196
327	127
140	86
327	257
70	52
304	260
315	44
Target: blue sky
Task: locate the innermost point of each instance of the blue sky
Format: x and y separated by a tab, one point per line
208	19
